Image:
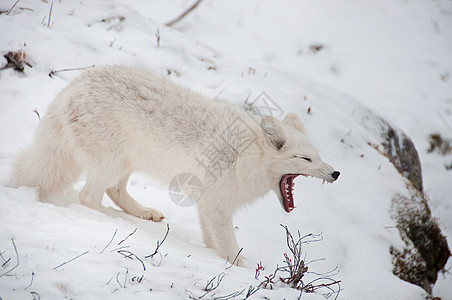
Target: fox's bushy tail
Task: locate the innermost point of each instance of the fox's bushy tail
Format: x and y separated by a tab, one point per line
49	162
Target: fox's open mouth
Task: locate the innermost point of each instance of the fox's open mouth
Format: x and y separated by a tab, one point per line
286	185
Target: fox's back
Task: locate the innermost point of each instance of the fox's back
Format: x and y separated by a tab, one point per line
119	112
117	98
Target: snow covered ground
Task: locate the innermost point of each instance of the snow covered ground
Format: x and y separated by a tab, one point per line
392	56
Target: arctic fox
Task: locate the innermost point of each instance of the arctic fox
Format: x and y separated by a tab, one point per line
115	120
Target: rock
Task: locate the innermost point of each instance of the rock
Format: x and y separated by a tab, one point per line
395	145
426	251
401	152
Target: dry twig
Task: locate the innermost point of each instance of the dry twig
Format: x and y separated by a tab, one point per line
259	268
117	280
130	234
8	11
35	295
66	262
235	259
111	240
296	268
17	261
37	113
50	15
49	24
6	261
131	255
32	277
184	14
214	283
53	72
159	243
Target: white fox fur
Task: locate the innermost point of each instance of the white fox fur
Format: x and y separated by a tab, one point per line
115	120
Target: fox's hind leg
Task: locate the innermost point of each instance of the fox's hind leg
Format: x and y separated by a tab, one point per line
121	198
97	183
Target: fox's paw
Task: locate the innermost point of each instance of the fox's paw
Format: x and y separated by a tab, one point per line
151	214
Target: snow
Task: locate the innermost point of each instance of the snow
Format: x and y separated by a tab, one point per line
389	56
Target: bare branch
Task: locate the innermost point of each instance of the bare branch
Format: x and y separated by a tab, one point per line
235	259
35	295
130	234
111	240
138	279
37	113
269	280
251	291
229	296
119	248
60	265
6	261
7	12
125	277
17	260
50	14
211	285
32	276
53	72
185	13
159	243
214	283
124	283
258	270
117	280
296	268
129	254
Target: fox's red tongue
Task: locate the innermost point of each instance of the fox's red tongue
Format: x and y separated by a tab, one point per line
286	185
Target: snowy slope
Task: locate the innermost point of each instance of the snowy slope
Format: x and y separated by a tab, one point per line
394	56
352	214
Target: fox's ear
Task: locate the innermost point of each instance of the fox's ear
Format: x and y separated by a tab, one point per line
274	132
294	121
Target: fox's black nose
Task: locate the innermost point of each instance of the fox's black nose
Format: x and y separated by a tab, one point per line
336	174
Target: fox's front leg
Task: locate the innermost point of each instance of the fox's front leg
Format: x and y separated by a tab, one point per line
219	231
227	242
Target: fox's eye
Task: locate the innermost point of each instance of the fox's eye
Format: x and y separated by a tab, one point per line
302	157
